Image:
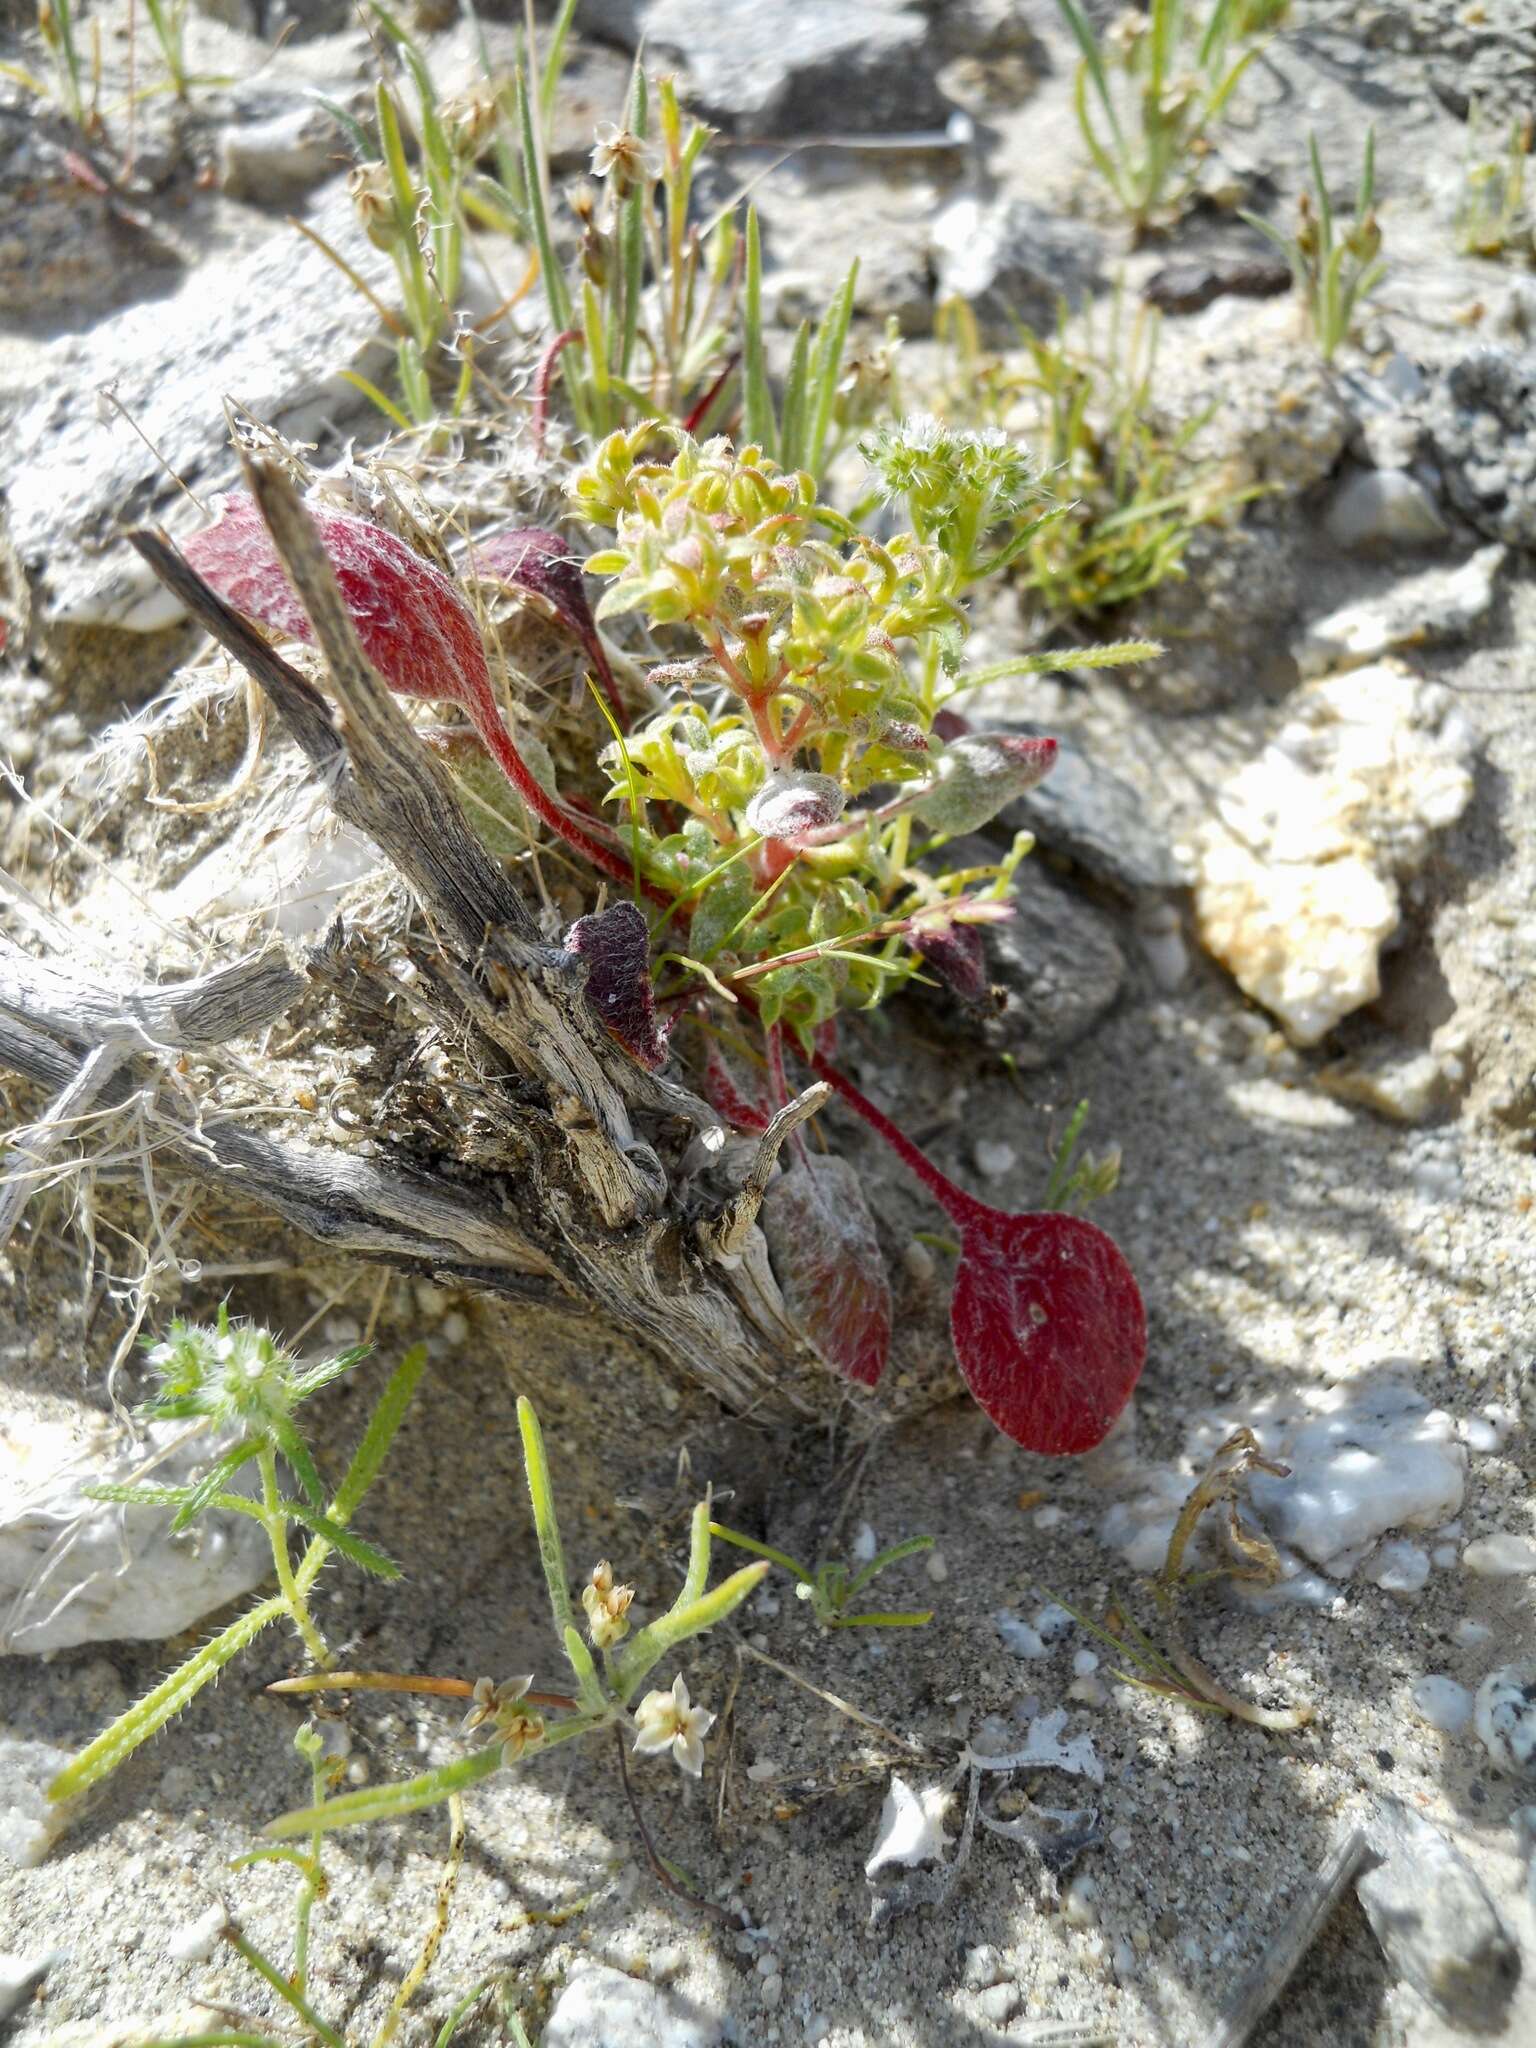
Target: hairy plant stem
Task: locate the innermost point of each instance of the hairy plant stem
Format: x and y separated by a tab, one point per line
283	1988
277	1534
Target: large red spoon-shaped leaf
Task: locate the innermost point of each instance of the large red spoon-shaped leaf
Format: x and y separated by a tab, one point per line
1049	1328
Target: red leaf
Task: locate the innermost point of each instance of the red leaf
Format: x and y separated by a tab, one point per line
722	1093
826	1258
531	558
1049	1328
616	944
414	625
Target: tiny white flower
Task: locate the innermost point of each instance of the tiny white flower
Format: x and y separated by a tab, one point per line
666	1720
630	157
489	1699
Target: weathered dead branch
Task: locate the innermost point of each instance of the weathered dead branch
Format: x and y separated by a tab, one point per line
600	1210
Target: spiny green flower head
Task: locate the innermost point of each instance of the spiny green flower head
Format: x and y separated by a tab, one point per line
811	662
957	484
235	1373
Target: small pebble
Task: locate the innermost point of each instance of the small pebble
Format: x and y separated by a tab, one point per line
1472	1635
994	1158
1080	1907
936	1567
1503	1555
196	1942
1443	1704
1505	1717
1084	1663
19	1977
455	1327
982	1967
1017	1635
1050	1518
1398	1567
864	1545
999	2003
771	1992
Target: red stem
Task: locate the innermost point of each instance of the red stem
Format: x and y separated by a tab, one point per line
701	410
963	1210
487	721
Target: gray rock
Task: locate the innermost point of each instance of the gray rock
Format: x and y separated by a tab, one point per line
1436	1924
29	1823
1441	606
602	2008
75	1570
67	250
799	67
273	329
1098	821
275	159
1482	422
1060	965
1505	1718
1012	261
1383	507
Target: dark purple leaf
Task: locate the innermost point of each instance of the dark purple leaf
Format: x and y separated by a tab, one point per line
531	558
616	945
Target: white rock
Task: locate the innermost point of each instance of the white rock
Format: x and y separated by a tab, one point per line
1017	1635
1505	1717
1421	611
911	1827
1408	1091
1296	890
197	1940
1472	1635
1443	1704
995	1157
19	1977
1398	1567
1503	1555
1369	1462
74	1570
30	1823
1080	1907
603	2005
285	875
1043	1748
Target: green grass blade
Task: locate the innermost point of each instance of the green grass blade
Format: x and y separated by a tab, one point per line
388	1802
792	432
545	1523
912	1547
1093	64
556	291
826	368
554	63
116	1743
758	424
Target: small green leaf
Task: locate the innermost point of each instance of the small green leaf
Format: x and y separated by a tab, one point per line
757	422
383	1425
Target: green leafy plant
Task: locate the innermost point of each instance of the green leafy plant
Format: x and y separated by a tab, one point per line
1334	271
830	1588
606	1684
236	1377
67	88
1132	492
1493	214
1151	88
740	802
292	1987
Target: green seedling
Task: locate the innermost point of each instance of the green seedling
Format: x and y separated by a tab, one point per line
68	86
1153	86
1132	492
238	1378
1334	270
831	1588
606	1683
1493	215
292	1987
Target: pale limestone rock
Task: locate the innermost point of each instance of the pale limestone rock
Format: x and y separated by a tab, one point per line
1297	873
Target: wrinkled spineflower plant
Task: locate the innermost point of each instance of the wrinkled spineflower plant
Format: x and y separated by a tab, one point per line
772	819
